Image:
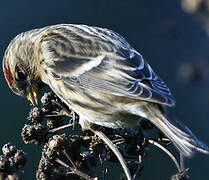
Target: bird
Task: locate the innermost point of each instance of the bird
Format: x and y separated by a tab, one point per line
97	74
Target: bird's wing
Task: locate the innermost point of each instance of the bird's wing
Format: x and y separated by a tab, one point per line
121	72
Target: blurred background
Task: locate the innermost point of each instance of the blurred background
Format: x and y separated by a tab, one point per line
171	35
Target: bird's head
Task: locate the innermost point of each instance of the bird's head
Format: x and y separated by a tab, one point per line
19	68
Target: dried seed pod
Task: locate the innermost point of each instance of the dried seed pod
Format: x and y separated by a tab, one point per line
36	115
36	134
9	150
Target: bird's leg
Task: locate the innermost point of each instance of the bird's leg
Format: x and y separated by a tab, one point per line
66	111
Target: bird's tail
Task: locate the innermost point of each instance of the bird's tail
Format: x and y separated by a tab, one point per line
180	135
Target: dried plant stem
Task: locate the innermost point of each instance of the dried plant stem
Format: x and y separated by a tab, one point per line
60	128
118	141
75	170
114	149
68	157
182	162
167	152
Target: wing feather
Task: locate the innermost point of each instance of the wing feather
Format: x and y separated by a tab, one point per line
119	70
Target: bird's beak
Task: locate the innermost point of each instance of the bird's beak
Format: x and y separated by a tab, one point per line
32	95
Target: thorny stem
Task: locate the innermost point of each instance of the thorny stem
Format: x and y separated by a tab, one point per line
167	152
114	149
75	170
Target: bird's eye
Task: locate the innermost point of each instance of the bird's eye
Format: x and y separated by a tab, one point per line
21	76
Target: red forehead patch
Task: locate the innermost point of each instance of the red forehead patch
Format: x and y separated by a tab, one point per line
8	76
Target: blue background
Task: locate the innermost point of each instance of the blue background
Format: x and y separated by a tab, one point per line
160	30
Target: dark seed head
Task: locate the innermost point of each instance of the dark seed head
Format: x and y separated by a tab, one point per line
9	150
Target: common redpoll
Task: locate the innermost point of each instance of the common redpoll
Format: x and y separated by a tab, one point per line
98	75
